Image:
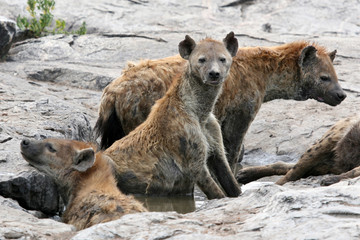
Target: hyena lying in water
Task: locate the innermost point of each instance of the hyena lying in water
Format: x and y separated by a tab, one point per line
167	154
337	152
85	180
297	70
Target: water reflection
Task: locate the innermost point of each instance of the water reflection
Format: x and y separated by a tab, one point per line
179	204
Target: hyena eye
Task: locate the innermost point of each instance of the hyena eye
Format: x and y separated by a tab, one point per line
202	60
50	148
325	78
223	60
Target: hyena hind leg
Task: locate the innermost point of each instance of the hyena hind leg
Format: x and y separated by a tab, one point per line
337	178
250	174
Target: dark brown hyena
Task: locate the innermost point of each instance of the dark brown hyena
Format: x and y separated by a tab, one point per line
167	154
85	180
298	70
337	152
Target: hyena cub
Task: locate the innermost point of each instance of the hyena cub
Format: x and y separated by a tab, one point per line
337	152
85	180
167	154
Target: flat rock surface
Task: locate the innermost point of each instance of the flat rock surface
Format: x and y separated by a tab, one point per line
51	87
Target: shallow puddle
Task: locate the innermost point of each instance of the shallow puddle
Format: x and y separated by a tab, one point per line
179	204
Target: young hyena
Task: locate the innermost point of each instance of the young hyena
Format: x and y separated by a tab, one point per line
337	152
167	154
85	180
298	70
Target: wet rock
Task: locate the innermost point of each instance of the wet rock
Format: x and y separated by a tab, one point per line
33	191
7	32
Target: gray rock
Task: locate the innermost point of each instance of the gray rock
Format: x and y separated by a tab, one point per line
261	212
15	223
33	191
7	32
50	87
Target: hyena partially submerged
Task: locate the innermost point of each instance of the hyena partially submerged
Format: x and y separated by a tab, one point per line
167	154
85	180
298	70
337	152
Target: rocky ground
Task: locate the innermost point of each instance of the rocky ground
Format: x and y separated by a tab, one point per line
51	87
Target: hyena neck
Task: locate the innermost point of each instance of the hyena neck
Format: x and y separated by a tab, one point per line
98	177
283	78
198	98
276	68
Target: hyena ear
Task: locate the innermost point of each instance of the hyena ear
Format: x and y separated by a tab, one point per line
186	47
307	56
231	43
84	159
332	55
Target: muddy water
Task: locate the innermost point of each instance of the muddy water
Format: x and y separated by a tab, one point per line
179	204
184	204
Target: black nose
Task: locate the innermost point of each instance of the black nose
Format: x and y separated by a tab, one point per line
25	142
214	74
341	96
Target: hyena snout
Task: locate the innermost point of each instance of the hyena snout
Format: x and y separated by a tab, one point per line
214	74
341	96
30	150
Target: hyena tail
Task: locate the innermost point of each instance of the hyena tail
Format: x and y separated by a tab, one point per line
108	126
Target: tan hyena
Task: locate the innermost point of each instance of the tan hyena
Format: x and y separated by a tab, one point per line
337	152
298	70
167	154
85	180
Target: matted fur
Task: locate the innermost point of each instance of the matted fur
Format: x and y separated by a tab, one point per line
92	196
167	153
257	75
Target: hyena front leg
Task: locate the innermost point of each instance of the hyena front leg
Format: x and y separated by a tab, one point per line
207	184
337	178
217	161
250	174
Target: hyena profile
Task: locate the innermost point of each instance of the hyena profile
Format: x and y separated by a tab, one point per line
337	152
85	180
167	154
298	70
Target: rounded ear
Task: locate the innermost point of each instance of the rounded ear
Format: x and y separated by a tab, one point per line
332	55
186	47
307	56
231	43
84	160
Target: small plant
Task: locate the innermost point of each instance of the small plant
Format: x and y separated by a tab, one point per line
38	26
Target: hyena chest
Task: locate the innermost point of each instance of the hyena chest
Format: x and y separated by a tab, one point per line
175	173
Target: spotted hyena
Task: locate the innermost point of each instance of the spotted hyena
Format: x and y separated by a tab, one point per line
167	154
85	180
337	152
298	70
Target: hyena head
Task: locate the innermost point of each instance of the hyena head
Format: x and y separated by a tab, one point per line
318	76
58	158
209	60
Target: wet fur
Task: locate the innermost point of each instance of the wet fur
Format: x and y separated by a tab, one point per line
257	75
167	153
91	197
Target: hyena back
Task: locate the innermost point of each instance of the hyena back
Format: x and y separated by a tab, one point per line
336	152
298	70
167	154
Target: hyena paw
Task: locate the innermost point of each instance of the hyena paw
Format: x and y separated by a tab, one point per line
244	177
329	180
